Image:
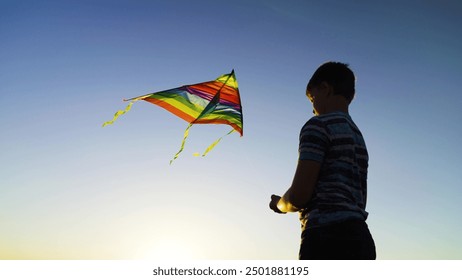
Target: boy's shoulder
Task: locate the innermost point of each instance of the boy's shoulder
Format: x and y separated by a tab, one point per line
326	119
331	122
334	115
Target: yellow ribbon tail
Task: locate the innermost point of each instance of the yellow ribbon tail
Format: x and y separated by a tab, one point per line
119	113
209	148
186	134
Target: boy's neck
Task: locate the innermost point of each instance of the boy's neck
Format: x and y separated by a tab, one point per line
337	103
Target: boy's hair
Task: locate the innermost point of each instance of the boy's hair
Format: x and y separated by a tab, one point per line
336	74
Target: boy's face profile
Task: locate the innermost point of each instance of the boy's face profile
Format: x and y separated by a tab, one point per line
318	96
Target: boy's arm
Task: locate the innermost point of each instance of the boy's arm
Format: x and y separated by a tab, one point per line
302	188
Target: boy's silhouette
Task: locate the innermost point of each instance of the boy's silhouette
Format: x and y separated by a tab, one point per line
329	188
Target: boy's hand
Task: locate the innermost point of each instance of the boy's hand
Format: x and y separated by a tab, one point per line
274	204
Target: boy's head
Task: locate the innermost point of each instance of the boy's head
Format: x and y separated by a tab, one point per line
338	76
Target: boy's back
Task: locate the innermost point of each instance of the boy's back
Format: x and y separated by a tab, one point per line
335	141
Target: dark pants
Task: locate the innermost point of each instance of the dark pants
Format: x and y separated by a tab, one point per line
350	240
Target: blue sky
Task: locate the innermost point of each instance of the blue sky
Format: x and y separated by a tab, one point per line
71	189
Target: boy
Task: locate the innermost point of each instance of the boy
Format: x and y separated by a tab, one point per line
329	188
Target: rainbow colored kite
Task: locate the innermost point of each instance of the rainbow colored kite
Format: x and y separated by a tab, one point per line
213	102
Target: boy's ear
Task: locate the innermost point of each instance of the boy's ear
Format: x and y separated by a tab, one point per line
326	88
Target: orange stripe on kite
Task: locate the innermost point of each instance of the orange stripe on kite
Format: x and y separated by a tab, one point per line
174	110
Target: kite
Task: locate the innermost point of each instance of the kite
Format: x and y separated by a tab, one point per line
213	102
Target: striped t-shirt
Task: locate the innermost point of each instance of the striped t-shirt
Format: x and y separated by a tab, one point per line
340	194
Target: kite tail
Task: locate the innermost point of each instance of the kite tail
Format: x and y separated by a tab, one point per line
209	148
119	113
186	133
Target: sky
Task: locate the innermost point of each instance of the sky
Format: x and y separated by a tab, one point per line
71	189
